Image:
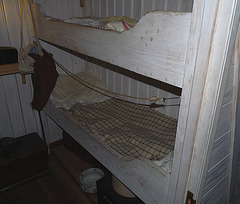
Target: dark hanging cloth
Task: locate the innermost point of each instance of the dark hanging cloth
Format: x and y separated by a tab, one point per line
44	79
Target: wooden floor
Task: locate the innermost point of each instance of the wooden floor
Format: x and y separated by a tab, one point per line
60	186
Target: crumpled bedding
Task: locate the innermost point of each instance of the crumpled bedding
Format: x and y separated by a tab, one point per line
131	130
114	23
67	91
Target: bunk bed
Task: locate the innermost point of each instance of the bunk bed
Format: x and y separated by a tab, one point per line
154	48
157	45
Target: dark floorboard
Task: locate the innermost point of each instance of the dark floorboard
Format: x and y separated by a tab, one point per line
57	186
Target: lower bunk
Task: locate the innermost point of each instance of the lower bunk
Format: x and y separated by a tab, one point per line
145	166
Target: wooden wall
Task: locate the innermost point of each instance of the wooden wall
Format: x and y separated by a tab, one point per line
17	117
218	174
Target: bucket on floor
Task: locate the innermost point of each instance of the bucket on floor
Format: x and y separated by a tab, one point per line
121	189
106	193
88	179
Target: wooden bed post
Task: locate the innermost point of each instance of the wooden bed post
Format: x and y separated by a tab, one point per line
212	37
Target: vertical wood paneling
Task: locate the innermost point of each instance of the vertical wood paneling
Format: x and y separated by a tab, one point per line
77	64
110	7
228	95
126	7
17	117
5	121
146	6
218	194
220	154
118	6
25	99
102	8
13	22
142	92
136	9
95	8
234	181
74	8
172	5
9	82
215	175
51	9
220	150
186	5
66	60
13	104
4	40
62	8
159	4
225	119
118	80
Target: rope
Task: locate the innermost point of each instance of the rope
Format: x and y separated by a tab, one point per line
26	63
93	87
21	22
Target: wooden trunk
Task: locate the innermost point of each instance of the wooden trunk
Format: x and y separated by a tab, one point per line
28	161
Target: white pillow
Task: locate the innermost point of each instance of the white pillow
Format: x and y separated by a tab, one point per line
68	91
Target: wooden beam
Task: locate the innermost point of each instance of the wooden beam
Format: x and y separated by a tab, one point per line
8	69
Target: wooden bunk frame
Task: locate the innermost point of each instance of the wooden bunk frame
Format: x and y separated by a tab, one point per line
154	48
188	53
153	51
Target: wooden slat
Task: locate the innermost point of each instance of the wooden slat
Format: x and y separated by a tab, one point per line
8	69
220	150
218	194
215	175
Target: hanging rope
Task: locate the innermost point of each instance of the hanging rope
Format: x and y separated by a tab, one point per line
93	87
26	63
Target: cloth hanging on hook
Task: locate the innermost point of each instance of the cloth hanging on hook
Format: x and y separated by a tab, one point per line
26	62
44	79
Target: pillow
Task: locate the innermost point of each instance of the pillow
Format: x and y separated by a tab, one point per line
68	91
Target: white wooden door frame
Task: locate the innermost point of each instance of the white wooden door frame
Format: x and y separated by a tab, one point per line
212	37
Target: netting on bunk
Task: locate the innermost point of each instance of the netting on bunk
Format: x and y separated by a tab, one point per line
131	130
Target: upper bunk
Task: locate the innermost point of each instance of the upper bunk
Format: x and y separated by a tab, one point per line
155	47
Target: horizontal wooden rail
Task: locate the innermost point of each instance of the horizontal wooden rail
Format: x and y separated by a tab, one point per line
8	69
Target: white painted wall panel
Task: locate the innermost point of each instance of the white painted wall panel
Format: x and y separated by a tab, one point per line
17	117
